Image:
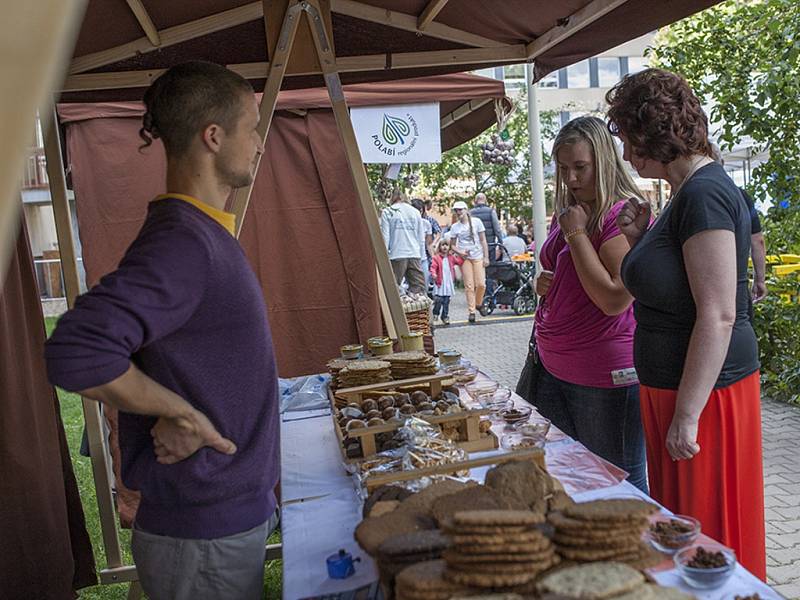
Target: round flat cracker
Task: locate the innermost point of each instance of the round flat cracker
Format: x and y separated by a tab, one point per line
593	581
658	592
592	554
562	522
422	501
415	542
527	548
426	577
455	557
624	541
478	497
487	580
373	531
483	518
368	365
522	537
610	510
450	528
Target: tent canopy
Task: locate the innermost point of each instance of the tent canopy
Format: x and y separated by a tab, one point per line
124	44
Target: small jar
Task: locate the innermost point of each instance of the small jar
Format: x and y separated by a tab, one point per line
352	351
413	341
380	346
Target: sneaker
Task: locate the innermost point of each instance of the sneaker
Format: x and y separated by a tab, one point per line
445	321
471	317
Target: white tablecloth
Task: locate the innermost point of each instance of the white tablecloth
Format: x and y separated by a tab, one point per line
320	509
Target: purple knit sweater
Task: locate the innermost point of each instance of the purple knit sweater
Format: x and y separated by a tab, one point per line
186	308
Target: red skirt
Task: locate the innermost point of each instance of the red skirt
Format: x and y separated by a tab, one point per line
723	485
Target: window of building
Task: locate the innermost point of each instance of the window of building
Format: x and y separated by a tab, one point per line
578	75
636	64
549	81
607	71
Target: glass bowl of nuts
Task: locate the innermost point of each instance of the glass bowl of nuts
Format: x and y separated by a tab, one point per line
670	533
705	566
479	388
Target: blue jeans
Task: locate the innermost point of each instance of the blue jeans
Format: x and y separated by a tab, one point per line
606	420
441	303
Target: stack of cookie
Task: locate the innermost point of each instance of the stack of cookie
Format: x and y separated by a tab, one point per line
601	580
604	530
425	581
334	366
364	372
496	548
414	363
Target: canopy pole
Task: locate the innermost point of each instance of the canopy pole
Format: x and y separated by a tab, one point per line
69	269
327	60
536	167
277	67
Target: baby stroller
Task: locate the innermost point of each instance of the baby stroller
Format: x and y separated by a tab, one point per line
513	286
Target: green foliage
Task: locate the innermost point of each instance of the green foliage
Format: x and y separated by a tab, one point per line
744	58
776	321
462	173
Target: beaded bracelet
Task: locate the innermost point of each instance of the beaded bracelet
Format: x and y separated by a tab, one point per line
571	234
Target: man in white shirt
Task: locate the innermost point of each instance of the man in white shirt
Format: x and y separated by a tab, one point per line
513	243
402	229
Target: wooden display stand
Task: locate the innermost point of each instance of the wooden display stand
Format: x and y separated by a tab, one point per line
467	421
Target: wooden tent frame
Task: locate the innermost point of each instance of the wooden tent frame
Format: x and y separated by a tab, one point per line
302	45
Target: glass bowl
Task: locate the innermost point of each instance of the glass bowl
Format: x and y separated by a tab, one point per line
705	578
479	388
515	415
514	441
670	533
537	429
464	375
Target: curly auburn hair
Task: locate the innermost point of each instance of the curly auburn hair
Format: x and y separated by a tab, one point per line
659	114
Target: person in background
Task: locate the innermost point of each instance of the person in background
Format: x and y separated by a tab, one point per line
402	229
493	231
426	241
436	229
696	353
443	273
586	384
522	228
513	243
177	339
468	240
758	248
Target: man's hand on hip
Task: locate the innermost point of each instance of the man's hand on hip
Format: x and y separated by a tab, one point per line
177	438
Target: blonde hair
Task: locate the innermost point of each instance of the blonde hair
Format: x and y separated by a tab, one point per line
611	179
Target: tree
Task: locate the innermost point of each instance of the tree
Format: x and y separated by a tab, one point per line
462	173
743	58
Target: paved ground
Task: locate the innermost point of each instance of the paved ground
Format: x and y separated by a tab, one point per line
498	346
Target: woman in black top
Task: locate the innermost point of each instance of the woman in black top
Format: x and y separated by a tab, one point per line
694	349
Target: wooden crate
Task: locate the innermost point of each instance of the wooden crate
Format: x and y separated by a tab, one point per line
534	454
467	421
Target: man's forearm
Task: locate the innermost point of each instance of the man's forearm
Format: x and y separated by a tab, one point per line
759	254
135	392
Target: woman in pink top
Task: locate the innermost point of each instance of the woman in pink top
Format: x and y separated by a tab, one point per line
585	382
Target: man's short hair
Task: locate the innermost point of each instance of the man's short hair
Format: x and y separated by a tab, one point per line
480	198
512	229
189	97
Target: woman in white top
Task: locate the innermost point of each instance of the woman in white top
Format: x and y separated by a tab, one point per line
468	240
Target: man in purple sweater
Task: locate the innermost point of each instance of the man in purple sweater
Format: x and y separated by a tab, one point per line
177	339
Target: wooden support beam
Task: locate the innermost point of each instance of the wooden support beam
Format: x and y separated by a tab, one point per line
140	12
327	59
69	269
406	22
37	40
346	64
169	37
430	12
280	58
574	23
462	111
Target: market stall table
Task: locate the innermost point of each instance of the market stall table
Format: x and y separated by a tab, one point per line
321	508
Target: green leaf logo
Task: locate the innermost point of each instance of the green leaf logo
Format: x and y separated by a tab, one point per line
395	129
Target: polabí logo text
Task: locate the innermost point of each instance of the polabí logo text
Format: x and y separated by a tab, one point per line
398	135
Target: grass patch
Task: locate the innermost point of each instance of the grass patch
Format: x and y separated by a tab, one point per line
72	416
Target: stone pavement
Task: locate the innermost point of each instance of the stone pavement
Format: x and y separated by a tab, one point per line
498	346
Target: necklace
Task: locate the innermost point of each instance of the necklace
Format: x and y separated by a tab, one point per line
696	164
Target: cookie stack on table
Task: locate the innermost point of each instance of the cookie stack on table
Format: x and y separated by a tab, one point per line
496	548
414	363
601	581
605	530
364	372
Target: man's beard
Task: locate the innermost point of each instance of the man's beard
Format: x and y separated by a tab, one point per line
228	176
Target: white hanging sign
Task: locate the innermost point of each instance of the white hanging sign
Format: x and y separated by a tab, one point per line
402	133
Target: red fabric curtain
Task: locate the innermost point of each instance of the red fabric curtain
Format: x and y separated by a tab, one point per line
45	552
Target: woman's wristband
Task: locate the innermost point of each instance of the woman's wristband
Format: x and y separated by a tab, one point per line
574	232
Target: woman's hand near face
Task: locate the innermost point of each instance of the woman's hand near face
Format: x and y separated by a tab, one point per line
574	217
543	281
634	218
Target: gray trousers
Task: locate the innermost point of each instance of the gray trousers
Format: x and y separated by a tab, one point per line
412	270
228	568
